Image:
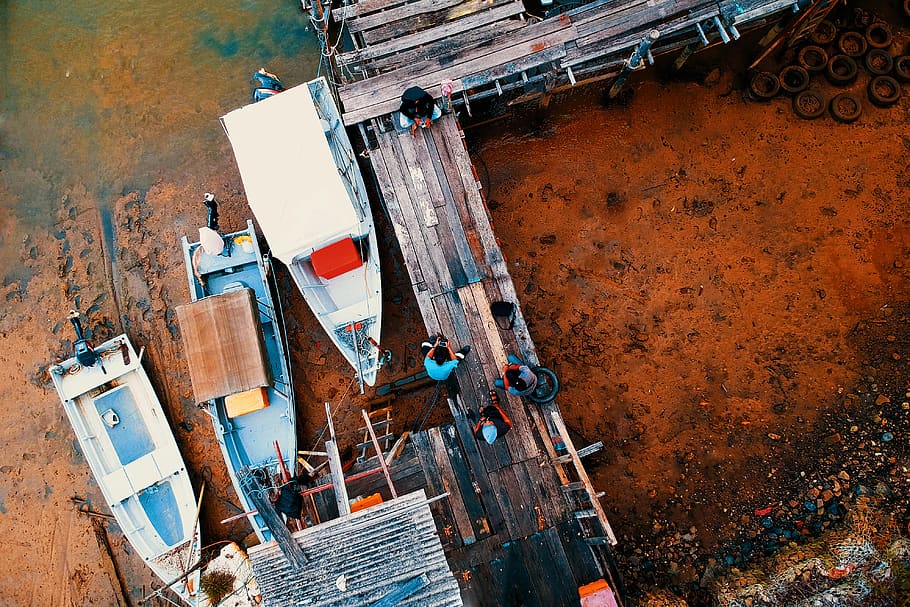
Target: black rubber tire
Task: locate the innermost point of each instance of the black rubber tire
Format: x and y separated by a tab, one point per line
884	91
852	44
547	386
878	35
878	62
845	107
902	67
809	105
824	33
793	79
812	58
841	70
764	85
907	7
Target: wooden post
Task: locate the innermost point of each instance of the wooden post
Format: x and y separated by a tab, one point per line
280	533
341	491
379	454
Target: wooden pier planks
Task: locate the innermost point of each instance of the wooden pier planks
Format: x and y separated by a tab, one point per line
502	501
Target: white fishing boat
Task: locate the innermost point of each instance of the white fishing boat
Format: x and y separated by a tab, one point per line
304	186
234	340
126	440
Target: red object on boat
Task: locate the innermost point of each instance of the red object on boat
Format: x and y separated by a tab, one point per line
336	259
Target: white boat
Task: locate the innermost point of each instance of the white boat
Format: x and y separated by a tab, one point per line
131	450
234	341
303	185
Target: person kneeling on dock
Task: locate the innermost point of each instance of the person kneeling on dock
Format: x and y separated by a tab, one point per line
417	109
493	422
439	359
517	378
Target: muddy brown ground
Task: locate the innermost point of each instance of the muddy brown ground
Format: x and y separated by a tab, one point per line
693	265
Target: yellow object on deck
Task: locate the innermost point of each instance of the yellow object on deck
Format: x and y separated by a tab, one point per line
246	402
366	502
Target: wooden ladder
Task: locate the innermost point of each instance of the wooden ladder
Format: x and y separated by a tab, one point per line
597	531
817	13
381	420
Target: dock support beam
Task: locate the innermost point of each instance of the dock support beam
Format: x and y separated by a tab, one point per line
644	48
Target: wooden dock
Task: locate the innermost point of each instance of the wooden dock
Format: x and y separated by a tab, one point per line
489	47
522	524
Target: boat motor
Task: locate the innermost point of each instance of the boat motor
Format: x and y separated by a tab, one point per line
85	354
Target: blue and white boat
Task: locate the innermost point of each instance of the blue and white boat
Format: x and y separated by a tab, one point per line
303	185
129	446
234	340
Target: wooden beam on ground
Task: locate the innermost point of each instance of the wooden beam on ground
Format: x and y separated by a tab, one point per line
335	467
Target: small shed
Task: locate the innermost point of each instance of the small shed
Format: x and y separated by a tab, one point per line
222	339
385	555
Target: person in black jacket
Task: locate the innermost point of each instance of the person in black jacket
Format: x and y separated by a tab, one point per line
493	422
417	109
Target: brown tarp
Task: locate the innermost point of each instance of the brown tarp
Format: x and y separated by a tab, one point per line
223	343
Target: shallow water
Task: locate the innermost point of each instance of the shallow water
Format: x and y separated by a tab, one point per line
103	98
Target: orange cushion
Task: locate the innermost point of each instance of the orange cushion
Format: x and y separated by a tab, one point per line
336	259
366	502
242	403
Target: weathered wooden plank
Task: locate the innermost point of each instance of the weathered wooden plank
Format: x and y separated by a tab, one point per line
602	9
512	584
423	195
469	487
627	40
433	273
493	257
503	497
477	467
475	584
359	23
531	39
364	7
451	485
522	444
581	560
552	578
442	509
416	22
548	545
390	199
513	67
472	21
442	50
651	16
456	191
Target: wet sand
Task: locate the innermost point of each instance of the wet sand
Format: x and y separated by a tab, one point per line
694	265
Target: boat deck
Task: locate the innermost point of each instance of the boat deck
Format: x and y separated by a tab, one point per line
491	46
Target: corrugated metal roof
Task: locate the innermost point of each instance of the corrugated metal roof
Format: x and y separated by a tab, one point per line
377	550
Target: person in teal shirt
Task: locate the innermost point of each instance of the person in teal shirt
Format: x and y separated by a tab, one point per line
439	359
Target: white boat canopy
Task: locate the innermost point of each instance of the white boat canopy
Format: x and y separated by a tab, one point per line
289	174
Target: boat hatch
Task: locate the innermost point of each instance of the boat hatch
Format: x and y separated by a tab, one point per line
222	339
336	259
